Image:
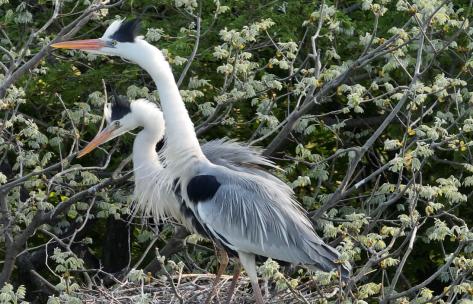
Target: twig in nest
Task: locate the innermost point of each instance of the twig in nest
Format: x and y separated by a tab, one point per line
295	292
168	275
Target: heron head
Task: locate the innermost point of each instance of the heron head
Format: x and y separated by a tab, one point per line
120	39
120	119
122	116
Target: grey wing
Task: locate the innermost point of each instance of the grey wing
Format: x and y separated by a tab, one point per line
238	157
251	214
225	152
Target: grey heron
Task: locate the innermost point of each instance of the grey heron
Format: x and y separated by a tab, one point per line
250	214
122	116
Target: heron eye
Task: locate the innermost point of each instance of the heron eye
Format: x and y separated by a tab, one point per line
116	123
114	43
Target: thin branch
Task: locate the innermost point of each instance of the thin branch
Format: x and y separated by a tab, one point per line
145	253
403	261
6	187
194	52
57	7
429	279
373	34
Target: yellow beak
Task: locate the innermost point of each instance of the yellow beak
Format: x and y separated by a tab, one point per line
87	44
99	139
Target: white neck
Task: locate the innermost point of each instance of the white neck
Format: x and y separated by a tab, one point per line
145	158
180	133
146	165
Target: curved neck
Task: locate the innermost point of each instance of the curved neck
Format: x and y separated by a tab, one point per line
180	133
145	157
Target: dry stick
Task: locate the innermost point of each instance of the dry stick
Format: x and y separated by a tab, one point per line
171	281
22	52
53	236
371	176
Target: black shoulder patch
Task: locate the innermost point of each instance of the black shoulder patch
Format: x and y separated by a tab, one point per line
202	188
120	107
127	31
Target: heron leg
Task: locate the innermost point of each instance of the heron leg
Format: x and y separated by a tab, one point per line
249	264
222	258
231	289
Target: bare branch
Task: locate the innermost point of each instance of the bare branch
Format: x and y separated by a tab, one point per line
194	52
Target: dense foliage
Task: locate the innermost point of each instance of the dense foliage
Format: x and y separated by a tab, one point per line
365	105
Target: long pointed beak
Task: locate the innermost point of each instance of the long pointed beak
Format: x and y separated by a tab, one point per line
87	44
102	137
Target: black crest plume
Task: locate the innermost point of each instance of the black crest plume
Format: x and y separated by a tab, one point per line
127	31
120	106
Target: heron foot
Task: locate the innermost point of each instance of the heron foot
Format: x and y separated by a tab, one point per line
231	289
222	258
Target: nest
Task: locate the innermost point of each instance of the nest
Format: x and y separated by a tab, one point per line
195	288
